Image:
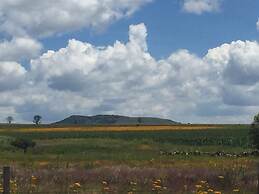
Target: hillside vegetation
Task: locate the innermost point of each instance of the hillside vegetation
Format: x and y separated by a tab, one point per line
113	120
120	155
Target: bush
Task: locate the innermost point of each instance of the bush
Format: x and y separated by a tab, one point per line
254	132
23	144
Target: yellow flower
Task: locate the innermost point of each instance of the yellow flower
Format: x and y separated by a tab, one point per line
198	186
106	188
133	183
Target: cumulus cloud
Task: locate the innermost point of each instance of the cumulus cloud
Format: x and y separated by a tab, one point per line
19	48
185	81
12	75
48	17
237	62
124	78
201	6
237	66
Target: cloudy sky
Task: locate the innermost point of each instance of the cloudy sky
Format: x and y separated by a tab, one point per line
188	60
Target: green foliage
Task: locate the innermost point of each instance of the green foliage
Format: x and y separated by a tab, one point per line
230	135
254	135
254	132
256	118
23	144
37	119
9	119
124	146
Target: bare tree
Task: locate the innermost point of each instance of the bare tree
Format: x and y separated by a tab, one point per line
37	119
9	119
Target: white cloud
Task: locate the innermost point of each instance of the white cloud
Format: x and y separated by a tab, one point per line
257	25
125	79
201	6
48	17
239	62
237	67
12	75
19	48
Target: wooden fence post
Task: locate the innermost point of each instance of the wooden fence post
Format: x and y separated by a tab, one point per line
258	178
6	180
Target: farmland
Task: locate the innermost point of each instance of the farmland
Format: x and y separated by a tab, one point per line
137	159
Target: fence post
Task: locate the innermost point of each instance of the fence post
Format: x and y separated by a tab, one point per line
6	180
258	177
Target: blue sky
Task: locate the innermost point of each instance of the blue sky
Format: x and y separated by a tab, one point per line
170	28
188	60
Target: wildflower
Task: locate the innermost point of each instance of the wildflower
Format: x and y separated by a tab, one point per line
106	188
104	183
198	186
158	187
77	184
133	183
33	178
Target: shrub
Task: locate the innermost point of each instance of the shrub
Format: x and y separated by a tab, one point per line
23	144
254	132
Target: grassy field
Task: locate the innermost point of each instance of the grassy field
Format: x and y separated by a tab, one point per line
124	159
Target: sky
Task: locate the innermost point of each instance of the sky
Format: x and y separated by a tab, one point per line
193	61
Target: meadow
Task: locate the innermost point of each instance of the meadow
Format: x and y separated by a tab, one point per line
131	159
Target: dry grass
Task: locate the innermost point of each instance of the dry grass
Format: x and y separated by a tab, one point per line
124	179
123	128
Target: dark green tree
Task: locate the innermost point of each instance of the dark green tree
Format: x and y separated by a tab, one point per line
37	119
254	132
23	144
139	120
9	119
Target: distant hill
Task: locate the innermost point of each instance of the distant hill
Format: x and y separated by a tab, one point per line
113	120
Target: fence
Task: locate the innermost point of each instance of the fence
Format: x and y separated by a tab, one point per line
258	178
7	177
6	180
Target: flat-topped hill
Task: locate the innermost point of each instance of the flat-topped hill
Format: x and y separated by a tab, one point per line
114	120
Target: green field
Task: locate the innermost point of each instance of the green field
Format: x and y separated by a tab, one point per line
87	156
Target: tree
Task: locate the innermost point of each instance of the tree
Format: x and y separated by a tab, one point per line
37	119
139	121
254	132
23	144
256	119
9	119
